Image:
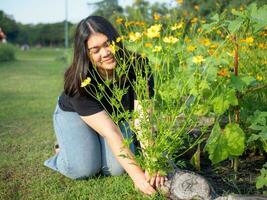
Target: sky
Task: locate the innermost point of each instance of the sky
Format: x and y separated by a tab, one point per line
50	11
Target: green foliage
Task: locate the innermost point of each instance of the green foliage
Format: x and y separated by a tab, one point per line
7	52
222	102
107	8
259	125
261	181
9	26
224	143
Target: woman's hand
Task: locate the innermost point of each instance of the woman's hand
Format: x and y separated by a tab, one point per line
156	180
142	184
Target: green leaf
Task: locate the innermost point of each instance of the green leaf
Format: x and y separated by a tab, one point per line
195	160
241	82
235	25
215	17
235	139
261	181
201	110
223	102
258	117
224	143
215	145
238	13
209	27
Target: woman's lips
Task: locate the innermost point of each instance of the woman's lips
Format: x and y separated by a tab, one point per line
109	60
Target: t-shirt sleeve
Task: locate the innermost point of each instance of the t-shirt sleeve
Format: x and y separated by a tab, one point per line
85	105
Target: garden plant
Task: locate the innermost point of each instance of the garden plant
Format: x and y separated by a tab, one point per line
210	88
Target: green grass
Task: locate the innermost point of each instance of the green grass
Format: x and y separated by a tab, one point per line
29	88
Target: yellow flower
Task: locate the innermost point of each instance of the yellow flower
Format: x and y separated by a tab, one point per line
129	23
134	36
249	40
143	55
140	23
156	16
194	20
198	59
86	82
199	30
262	45
180	1
203	21
196	7
113	47
157	49
191	48
154	31
232	54
187	39
170	39
119	39
213	46
205	41
119	20
177	26
148	44
233	10
259	77
218	32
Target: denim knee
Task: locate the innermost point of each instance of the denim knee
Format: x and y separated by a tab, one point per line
114	170
117	171
77	172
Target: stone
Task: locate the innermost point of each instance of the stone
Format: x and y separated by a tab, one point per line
187	185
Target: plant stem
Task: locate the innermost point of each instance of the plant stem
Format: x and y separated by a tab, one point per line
237	108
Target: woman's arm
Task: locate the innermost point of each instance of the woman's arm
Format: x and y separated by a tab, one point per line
104	125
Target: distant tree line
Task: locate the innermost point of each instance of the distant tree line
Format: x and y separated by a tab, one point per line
53	34
40	34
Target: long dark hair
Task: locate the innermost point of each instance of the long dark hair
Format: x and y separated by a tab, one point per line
81	63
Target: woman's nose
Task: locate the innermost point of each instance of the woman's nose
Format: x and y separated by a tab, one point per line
105	51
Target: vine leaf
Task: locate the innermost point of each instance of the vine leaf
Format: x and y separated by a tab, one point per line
224	143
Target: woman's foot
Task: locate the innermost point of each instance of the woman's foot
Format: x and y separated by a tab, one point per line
56	148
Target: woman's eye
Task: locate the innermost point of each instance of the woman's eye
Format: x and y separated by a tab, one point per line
106	44
95	50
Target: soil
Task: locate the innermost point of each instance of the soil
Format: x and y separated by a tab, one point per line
225	181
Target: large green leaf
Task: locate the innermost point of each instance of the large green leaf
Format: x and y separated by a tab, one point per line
235	25
258	124
241	82
259	16
224	143
222	102
261	181
235	139
215	145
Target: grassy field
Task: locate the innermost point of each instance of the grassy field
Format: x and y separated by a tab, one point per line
29	88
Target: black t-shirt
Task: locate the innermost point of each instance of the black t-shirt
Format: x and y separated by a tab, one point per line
88	104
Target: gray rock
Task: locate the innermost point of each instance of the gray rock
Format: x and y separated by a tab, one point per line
241	197
187	185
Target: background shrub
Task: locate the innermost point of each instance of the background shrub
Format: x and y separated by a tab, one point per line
7	52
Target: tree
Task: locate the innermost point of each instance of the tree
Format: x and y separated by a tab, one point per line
106	8
9	26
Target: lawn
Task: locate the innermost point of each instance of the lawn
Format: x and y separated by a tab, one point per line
29	88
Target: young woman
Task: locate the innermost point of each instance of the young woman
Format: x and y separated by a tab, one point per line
89	140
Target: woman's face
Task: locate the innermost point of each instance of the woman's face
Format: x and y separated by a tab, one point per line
100	52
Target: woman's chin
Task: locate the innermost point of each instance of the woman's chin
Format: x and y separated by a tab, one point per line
109	66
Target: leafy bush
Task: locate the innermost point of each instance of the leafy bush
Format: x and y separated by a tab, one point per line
7	52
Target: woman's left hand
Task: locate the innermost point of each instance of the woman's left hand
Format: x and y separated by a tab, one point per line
156	180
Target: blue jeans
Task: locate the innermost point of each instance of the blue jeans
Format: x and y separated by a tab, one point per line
83	152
